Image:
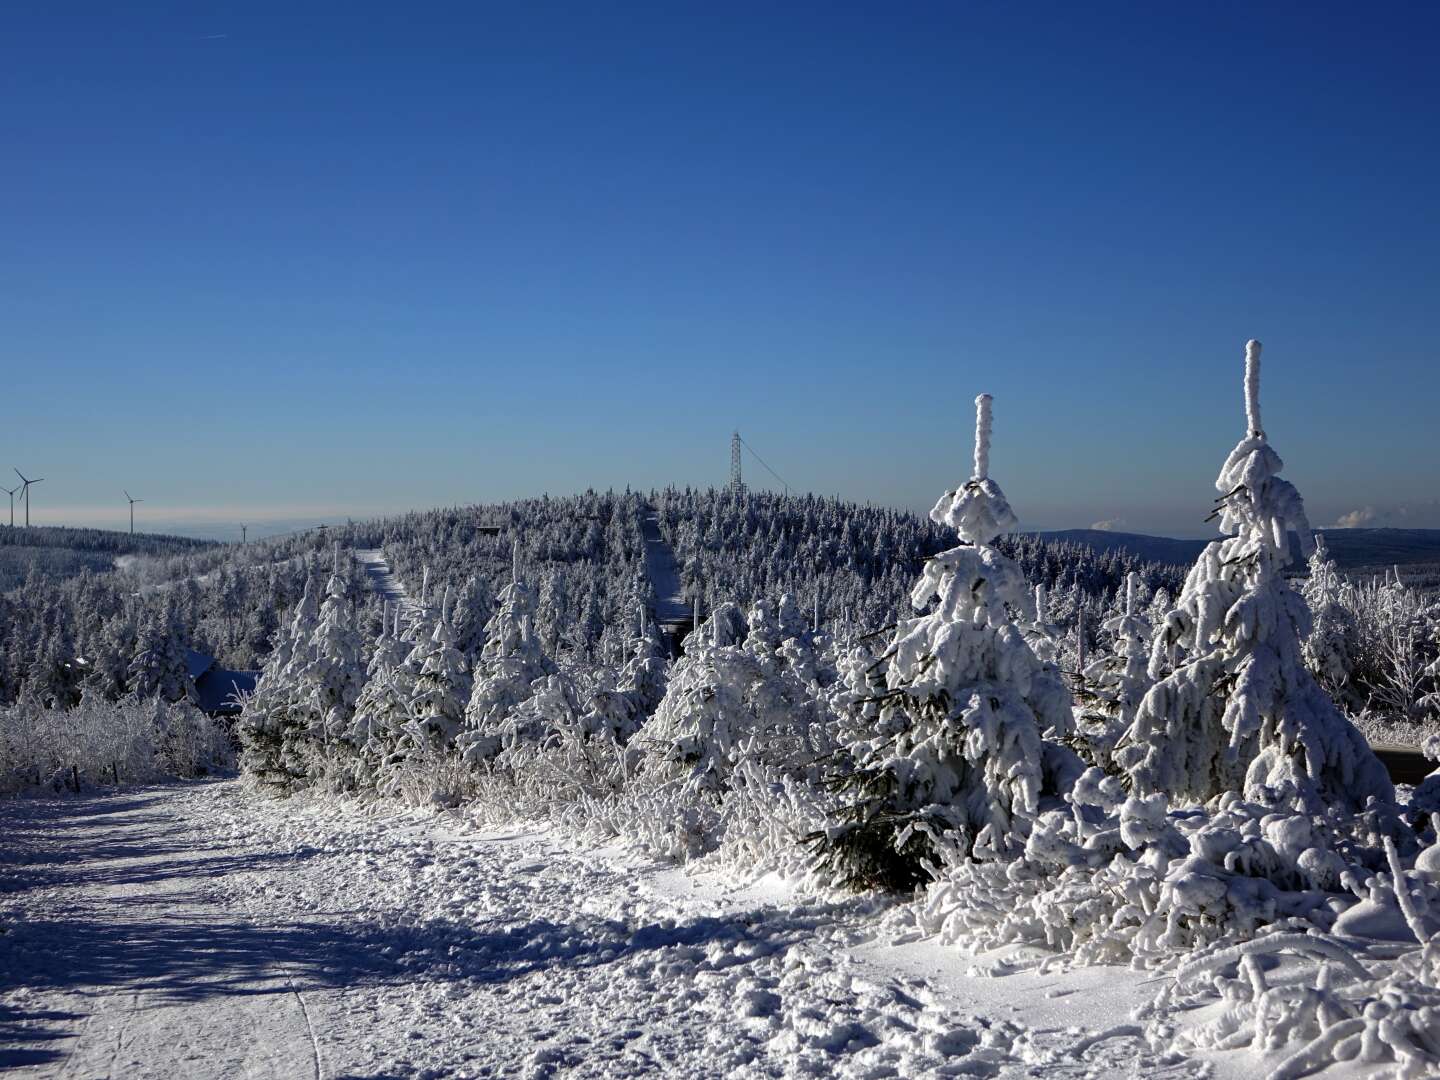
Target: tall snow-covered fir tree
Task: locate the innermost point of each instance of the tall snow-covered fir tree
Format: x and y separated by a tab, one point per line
270	719
383	705
1239	710
510	662
1327	648
958	748
331	682
1116	682
159	667
442	686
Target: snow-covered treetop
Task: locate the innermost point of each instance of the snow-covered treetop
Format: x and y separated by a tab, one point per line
978	510
1252	388
983	426
1254	501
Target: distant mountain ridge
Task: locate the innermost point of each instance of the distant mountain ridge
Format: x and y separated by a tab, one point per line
1352	548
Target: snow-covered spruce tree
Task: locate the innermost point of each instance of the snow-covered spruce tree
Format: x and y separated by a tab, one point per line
959	753
159	668
734	702
382	707
1328	646
644	674
1117	682
442	687
110	658
509	664
331	682
1239	710
270	718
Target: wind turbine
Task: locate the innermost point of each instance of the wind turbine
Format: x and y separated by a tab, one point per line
11	493
25	492
133	501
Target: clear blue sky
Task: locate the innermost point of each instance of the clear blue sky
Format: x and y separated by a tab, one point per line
280	262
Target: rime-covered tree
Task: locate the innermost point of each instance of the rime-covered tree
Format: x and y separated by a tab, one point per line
383	706
271	719
114	648
442	687
1117	681
330	683
958	743
1328	646
509	664
473	609
1239	711
732	697
646	669
159	666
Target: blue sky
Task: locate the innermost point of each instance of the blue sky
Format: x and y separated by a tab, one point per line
281	262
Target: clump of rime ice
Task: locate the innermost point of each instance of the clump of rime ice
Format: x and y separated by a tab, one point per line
1238	708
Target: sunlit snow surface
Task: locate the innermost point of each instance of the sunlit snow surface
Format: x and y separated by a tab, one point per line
208	931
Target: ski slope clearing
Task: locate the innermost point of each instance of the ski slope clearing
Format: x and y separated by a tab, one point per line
382	579
663	571
208	931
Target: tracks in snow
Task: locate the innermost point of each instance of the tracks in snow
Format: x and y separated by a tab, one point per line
382	579
206	931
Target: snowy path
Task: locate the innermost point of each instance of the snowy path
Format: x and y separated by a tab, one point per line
663	572
382	579
205	931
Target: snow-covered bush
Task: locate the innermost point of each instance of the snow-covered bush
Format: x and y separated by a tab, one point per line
957	754
1366	993
108	742
1234	706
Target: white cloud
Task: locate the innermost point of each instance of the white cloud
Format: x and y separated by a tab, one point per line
1367	517
1400	516
1109	525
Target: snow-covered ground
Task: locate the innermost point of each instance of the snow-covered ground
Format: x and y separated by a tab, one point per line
382	579
663	572
203	930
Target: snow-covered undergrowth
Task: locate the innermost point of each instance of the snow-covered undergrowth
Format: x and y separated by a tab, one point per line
107	742
1193	794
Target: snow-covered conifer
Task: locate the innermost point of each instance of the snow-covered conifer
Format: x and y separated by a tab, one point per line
330	683
1239	710
1328	646
1118	681
383	705
159	666
732	702
957	746
271	718
437	708
509	664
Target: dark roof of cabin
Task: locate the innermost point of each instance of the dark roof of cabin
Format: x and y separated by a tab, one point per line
217	689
